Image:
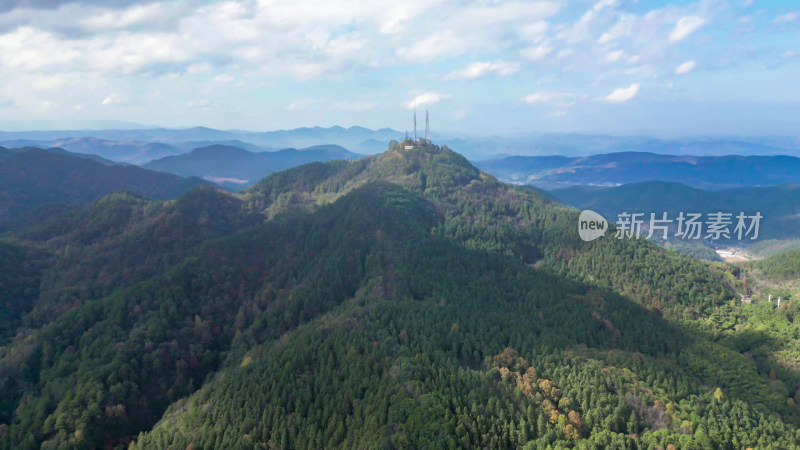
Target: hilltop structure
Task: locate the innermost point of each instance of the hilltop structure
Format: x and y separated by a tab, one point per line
419	141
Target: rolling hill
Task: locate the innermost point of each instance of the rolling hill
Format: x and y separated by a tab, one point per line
367	141
705	172
9	152
779	205
235	168
34	177
404	300
128	152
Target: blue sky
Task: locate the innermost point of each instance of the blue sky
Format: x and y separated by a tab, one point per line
667	68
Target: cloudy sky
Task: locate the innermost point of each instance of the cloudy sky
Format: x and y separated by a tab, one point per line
715	67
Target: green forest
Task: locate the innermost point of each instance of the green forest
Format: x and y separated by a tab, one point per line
403	300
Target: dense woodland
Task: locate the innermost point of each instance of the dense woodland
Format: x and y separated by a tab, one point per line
405	300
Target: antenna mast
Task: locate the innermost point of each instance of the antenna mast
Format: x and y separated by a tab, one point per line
427	126
415	121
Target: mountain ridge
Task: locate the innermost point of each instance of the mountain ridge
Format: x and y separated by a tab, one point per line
225	162
707	172
35	177
404	299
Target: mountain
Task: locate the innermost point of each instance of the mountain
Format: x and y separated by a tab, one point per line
406	300
367	141
120	151
117	151
297	138
234	168
779	205
34	177
191	145
580	145
707	172
8	152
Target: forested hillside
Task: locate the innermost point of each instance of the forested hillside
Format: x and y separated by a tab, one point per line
32	178
784	265
402	300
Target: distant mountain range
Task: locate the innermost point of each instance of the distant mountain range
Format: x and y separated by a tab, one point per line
779	205
33	177
707	172
235	168
359	139
6	153
366	141
129	152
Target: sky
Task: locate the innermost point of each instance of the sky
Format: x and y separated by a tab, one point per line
657	67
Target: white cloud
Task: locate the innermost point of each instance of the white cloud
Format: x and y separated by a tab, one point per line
311	104
135	16
47	82
623	94
565	53
111	100
561	98
481	69
354	105
537	53
685	26
224	79
203	105
603	4
443	43
685	68
612	57
535	31
474	28
787	18
428	98
171	52
623	28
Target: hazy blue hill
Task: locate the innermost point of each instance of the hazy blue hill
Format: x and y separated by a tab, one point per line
517	167
119	151
188	146
8	152
363	140
214	160
78	155
35	177
708	172
637	197
235	168
779	205
201	136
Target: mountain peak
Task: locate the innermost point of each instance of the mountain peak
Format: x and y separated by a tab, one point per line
218	148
